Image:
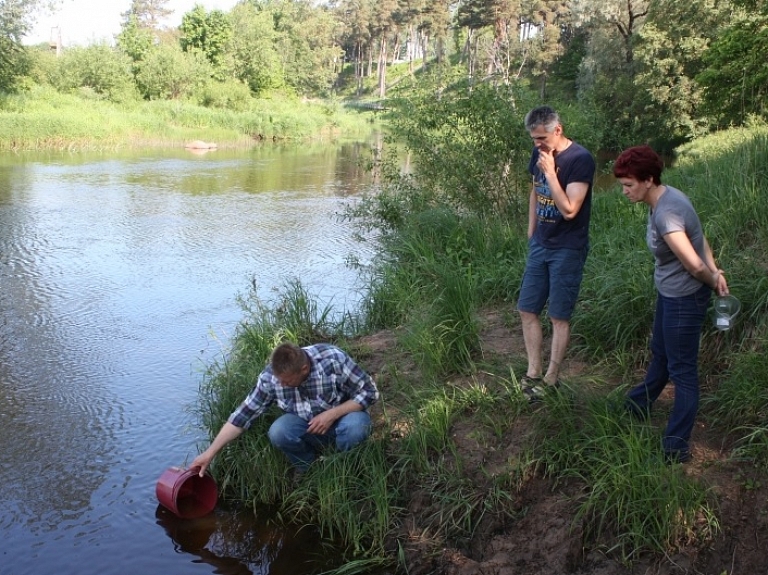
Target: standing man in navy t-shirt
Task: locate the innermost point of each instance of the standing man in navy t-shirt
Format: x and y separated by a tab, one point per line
558	242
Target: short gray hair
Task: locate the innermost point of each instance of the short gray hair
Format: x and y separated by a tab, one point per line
542	116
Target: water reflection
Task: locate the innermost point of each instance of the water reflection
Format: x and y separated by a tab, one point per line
234	544
119	275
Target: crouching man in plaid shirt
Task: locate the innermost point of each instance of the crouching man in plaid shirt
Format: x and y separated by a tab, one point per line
324	394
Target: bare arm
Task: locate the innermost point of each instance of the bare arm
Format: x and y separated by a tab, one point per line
227	433
568	200
532	212
705	271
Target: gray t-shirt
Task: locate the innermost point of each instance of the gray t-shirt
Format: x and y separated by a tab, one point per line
673	213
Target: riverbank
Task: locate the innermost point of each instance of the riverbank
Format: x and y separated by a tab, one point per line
43	118
462	476
497	503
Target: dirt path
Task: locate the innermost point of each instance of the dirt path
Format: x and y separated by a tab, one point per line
545	539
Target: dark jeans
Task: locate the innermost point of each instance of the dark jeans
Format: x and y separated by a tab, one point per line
675	348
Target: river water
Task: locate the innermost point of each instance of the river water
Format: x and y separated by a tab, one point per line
119	277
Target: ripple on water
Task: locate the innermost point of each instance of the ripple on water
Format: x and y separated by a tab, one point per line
114	275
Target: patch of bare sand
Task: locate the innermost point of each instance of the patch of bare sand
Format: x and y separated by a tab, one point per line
544	537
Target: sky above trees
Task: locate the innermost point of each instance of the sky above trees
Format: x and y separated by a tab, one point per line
83	21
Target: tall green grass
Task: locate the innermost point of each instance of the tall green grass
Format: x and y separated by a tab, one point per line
350	497
616	304
44	118
633	502
725	177
437	268
739	406
432	278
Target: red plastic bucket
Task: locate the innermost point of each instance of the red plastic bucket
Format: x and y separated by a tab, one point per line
185	493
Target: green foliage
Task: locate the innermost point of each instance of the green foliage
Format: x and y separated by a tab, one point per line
14	64
228	95
134	40
98	68
736	79
753	446
725	175
252	53
469	142
740	402
617	296
281	44
208	32
305	40
350	497
443	338
564	80
433	272
168	73
43	65
669	56
16	19
147	13
635	501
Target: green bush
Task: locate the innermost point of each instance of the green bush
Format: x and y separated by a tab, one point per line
168	73
98	69
229	95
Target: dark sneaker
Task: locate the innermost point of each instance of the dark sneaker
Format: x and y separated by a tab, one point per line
527	381
530	386
536	391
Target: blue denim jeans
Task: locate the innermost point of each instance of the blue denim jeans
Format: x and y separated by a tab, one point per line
289	434
675	348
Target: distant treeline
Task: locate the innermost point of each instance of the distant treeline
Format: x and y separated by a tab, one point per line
662	70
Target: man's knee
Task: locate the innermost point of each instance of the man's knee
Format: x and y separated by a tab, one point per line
527	317
286	430
352	429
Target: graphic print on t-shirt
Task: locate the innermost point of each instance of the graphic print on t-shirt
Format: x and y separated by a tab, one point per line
546	210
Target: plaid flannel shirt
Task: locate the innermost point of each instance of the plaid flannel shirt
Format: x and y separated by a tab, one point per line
333	378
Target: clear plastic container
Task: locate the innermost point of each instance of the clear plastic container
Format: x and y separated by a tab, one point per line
726	309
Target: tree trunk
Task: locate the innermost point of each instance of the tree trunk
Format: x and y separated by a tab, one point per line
396	49
370	61
359	68
383	67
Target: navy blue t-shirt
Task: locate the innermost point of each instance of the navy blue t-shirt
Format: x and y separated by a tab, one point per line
574	164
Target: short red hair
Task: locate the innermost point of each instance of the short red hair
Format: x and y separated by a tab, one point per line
640	163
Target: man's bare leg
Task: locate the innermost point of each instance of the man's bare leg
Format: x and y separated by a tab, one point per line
561	335
532	336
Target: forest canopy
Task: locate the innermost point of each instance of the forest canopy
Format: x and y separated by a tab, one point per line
664	71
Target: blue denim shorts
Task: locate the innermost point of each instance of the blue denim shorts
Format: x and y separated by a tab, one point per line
552	275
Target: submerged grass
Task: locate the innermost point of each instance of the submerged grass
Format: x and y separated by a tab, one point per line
350	497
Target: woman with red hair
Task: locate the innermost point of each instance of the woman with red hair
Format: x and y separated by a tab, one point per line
685	275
